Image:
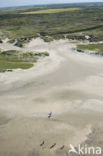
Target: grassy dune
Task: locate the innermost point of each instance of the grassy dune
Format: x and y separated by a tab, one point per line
13	59
98	48
51	11
6	64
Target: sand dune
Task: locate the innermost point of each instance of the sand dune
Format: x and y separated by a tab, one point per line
68	83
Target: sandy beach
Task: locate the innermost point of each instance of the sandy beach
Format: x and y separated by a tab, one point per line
68	84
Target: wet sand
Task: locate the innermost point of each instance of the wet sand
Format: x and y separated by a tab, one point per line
67	83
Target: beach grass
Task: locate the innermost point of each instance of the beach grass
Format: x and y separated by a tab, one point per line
98	48
13	59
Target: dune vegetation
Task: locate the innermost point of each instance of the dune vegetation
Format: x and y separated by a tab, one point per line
13	59
97	48
52	22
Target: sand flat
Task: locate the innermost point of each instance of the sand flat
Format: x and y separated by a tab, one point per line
69	84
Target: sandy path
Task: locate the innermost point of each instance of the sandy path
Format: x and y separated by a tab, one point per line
67	83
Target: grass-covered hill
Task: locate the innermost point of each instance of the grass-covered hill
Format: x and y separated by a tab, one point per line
13	59
92	48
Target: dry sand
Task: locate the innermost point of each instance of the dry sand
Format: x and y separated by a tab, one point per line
68	83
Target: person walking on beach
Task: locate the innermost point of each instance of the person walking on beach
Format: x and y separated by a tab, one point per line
49	115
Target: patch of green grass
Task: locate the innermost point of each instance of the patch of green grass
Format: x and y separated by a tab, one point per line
13	59
98	48
6	63
52	11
